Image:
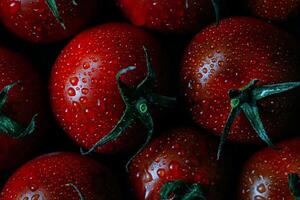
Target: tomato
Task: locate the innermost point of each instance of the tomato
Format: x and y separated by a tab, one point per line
21	98
85	94
241	57
35	22
168	15
51	176
265	174
275	10
183	155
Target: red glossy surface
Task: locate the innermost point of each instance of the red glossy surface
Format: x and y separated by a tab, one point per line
276	10
84	93
32	20
182	154
229	56
46	177
168	15
265	175
24	101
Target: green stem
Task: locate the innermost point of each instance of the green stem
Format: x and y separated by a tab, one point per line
54	9
216	5
294	185
80	195
180	190
246	100
138	101
8	126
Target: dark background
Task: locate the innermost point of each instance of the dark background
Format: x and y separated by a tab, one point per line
43	57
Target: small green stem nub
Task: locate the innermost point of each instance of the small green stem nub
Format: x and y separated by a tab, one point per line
8	126
180	190
294	185
80	195
245	100
54	9
216	5
138	101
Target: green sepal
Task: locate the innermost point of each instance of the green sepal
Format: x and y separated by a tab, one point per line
268	90
245	100
294	185
216	5
180	190
8	126
80	195
138	101
54	9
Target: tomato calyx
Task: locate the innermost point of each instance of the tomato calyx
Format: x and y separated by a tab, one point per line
294	185
245	100
7	125
77	190
138	101
180	190
54	9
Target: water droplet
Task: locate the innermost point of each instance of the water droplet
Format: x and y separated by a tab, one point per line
83	100
86	65
71	92
14	7
35	197
261	188
85	91
174	166
161	173
84	80
258	197
74	81
147	177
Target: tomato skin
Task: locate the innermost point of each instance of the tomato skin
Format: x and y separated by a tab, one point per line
229	56
181	154
168	15
268	171
47	176
275	10
84	93
33	21
24	101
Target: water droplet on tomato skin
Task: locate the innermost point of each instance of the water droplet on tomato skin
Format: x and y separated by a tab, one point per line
261	188
161	173
258	197
86	65
71	92
147	177
83	100
14	7
85	91
74	81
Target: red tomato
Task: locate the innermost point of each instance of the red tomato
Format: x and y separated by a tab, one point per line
84	92
229	56
265	175
182	154
24	100
49	176
275	10
168	15
33	20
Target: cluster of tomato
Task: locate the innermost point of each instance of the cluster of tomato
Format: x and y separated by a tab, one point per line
149	91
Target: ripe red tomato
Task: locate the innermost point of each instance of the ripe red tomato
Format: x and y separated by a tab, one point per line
168	15
49	176
24	100
229	56
265	175
84	92
34	21
181	155
275	10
